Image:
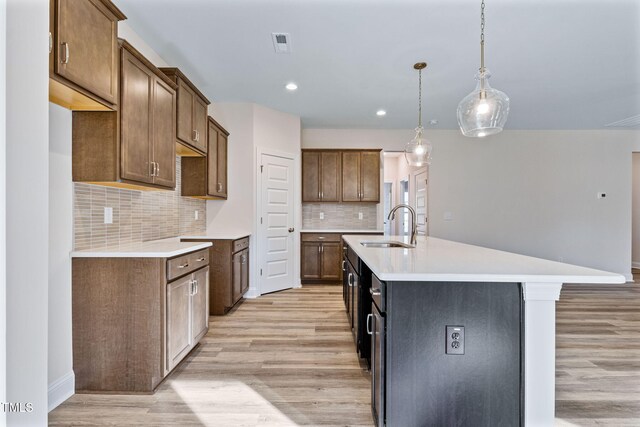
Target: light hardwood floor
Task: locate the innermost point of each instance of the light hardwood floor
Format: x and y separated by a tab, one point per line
288	359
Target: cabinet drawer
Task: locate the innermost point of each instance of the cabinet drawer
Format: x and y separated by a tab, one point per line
187	263
321	237
240	244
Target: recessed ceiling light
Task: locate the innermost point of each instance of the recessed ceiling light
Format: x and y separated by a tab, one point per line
381	113
291	86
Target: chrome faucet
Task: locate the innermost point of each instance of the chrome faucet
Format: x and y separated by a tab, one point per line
414	226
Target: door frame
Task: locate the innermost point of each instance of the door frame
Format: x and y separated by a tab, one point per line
255	288
424	169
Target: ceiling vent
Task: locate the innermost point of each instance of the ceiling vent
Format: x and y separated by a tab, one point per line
281	42
629	122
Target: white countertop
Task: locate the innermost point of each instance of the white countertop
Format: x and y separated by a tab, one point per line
166	248
446	261
335	230
220	235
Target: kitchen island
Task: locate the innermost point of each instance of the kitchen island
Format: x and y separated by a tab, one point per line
461	335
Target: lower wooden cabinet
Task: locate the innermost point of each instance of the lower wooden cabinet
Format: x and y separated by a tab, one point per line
229	278
135	319
321	257
187	315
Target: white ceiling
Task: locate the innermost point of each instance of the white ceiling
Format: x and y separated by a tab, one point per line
565	64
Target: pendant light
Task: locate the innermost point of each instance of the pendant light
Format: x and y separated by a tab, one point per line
418	151
484	111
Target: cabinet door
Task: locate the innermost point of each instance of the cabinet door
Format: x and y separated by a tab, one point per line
221	184
136	124
370	176
330	176
200	124
310	176
351	176
200	305
212	160
86	47
331	261
244	283
164	131
310	260
236	277
178	321
185	130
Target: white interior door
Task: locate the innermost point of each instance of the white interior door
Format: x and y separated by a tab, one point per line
277	223
421	201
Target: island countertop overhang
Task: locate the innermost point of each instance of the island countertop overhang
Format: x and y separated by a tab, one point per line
439	260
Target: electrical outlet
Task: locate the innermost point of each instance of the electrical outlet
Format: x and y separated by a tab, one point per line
196	214
455	340
360	215
108	215
602	195
321	215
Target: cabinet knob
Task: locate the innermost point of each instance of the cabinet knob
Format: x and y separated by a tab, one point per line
291	229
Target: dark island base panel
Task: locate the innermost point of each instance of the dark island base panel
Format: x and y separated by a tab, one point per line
482	387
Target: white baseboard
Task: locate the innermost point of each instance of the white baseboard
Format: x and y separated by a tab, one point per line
629	277
61	389
252	293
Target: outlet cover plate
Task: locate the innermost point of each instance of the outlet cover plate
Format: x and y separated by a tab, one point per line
455	340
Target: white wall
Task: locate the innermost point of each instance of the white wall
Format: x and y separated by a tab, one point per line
635	198
60	374
530	192
250	127
27	159
3	247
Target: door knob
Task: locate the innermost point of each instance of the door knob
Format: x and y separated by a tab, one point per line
291	229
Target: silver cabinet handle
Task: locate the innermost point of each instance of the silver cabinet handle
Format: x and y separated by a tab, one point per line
369	316
186	264
190	288
194	135
319	248
157	169
320	237
322	248
375	292
153	168
244	259
50	42
344	268
322	194
65	60
200	259
350	279
196	282
219	187
318	194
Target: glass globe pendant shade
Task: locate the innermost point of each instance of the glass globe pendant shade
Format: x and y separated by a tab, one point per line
417	152
484	111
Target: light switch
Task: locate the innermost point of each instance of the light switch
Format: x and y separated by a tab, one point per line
196	214
360	215
321	215
108	215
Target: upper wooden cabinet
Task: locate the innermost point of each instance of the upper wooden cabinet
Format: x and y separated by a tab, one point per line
341	176
83	66
206	177
134	146
320	176
191	131
361	176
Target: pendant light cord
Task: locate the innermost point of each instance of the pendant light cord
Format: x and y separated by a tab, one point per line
420	98
482	38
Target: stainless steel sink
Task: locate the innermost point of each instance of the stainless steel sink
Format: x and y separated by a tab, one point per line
386	244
